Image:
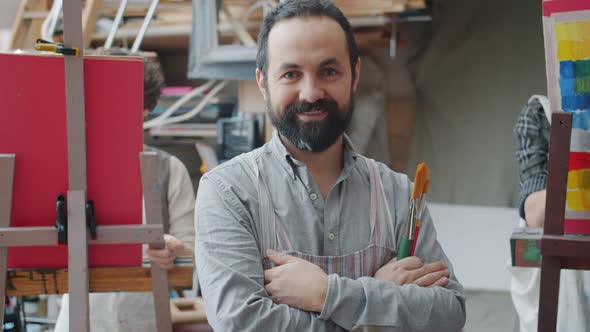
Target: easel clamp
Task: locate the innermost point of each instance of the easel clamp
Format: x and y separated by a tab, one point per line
44	45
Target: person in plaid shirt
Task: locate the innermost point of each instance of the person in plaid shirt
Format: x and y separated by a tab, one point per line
532	151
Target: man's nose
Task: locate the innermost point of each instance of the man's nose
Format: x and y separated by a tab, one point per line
310	91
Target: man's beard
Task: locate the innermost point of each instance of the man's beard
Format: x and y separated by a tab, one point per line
312	136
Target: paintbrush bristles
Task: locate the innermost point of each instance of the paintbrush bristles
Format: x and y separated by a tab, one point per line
420	180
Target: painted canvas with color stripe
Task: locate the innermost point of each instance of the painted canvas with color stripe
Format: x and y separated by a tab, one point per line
566	25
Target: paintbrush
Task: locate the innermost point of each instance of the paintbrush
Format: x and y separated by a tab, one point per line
405	244
420	214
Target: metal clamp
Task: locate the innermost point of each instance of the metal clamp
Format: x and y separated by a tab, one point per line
44	45
91	219
61	220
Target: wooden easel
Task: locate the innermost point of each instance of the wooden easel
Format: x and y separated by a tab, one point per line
78	271
555	247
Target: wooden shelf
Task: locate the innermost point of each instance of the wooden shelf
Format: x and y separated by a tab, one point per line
24	282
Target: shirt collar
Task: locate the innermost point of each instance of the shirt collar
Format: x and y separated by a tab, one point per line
290	164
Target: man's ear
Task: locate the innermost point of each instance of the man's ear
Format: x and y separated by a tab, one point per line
260	80
357	70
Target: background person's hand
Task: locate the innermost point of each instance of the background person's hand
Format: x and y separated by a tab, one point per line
165	257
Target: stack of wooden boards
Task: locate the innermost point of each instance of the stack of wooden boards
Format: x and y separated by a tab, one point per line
172	22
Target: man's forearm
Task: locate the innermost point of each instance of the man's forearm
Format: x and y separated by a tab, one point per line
370	302
534	208
245	306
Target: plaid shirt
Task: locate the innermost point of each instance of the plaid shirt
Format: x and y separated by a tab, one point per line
532	150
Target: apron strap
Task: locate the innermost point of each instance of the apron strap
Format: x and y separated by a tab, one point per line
252	170
373	219
267	237
380	211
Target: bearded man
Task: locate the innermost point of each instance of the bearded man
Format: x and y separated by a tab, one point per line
301	234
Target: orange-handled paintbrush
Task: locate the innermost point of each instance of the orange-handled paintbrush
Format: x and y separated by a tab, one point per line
420	215
406	241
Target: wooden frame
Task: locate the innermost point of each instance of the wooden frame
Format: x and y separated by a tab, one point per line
208	59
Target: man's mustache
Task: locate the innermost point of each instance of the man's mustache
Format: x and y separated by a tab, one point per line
327	105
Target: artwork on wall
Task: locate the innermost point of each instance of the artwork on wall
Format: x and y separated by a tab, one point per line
566	25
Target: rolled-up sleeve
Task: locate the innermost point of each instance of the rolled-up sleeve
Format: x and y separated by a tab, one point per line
230	269
532	151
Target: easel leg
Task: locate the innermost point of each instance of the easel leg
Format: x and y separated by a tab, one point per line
6	184
561	125
78	262
548	300
161	299
153	216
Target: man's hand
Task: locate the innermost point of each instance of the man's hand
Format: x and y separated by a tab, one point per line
295	282
411	270
164	258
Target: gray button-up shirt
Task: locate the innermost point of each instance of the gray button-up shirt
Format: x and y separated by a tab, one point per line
229	263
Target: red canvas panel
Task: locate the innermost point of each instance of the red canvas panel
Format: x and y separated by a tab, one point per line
33	126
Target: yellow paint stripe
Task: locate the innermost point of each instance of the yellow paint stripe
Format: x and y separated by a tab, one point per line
578	200
569	31
573	50
579	179
573	40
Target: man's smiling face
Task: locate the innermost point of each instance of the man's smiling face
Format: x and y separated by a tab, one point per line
309	84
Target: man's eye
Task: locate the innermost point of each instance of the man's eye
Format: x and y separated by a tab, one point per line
330	72
290	75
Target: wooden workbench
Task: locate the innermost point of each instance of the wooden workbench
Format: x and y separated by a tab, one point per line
23	282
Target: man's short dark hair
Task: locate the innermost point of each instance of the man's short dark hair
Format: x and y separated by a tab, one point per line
153	77
301	8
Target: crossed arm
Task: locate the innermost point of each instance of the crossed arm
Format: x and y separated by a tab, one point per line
297	295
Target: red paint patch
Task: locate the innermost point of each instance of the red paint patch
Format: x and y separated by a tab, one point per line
560	6
579	161
577	226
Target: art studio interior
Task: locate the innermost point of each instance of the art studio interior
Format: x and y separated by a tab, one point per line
295	165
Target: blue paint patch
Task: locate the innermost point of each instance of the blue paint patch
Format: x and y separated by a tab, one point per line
567	86
581	120
566	69
575	102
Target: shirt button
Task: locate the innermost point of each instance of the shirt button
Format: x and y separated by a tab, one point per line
313	196
331	236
